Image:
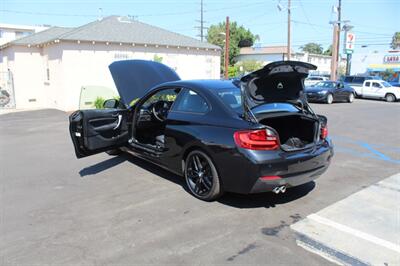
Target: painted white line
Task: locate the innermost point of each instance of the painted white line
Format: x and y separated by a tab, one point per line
357	233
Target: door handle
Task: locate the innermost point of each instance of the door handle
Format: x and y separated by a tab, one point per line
119	122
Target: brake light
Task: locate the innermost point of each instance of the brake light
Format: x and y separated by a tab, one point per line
261	139
324	132
270	177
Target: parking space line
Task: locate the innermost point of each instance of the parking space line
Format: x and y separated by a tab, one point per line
355	232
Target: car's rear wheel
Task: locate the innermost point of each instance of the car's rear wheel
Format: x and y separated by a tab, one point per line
329	99
390	97
202	177
350	99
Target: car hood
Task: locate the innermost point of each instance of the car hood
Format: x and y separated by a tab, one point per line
281	81
134	78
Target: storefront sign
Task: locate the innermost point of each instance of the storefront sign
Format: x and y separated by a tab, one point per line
350	40
391	58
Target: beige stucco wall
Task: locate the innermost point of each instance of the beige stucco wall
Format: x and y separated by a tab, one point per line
26	66
73	65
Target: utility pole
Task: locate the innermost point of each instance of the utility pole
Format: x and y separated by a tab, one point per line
226	57
338	35
335	43
288	31
201	21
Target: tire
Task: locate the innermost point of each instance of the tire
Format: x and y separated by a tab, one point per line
390	98
201	176
114	152
351	97
329	99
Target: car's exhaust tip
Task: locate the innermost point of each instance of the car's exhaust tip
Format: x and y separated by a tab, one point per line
280	189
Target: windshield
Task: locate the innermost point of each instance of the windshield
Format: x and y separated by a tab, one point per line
385	84
325	84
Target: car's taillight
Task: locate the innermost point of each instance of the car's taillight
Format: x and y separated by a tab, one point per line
260	139
324	132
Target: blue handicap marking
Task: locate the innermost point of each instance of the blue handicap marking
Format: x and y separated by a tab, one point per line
368	150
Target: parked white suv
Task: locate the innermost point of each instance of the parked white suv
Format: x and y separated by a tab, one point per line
312	80
379	89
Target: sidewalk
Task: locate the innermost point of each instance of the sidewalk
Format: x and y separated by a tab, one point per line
362	229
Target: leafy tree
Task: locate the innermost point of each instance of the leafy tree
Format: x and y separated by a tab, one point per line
395	40
328	51
387	74
239	37
312	48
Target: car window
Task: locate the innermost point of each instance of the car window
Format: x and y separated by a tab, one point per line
376	85
367	84
168	95
385	84
358	80
325	84
348	79
190	101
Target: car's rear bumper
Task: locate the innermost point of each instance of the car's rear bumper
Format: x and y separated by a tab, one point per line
288	181
245	171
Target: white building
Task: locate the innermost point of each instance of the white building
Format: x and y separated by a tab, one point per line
270	54
10	32
49	68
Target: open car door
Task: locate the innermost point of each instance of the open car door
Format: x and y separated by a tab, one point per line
98	130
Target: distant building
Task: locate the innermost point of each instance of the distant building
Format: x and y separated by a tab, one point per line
269	54
11	32
49	68
376	63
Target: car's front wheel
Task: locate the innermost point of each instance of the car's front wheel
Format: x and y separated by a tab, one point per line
350	99
202	177
390	97
329	99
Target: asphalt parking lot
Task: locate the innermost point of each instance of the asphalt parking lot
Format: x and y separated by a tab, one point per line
104	210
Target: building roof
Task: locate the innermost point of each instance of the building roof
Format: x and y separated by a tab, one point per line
115	29
41	37
263	50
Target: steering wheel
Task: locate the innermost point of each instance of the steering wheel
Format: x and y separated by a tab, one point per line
160	110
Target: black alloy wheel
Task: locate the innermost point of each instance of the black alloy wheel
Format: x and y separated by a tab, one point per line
201	176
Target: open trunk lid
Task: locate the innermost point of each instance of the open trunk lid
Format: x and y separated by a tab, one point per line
281	81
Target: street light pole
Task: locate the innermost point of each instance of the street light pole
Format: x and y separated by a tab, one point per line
288	32
226	47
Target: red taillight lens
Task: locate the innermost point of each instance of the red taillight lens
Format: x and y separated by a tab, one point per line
324	132
270	177
262	139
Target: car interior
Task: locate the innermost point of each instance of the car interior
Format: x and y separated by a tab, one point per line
151	120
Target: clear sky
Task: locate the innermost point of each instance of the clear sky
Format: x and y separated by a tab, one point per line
374	21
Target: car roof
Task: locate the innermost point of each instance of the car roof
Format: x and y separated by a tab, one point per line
201	84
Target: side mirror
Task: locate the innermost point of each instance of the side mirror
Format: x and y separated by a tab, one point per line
110	104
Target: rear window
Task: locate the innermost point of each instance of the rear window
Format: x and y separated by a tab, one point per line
232	98
348	79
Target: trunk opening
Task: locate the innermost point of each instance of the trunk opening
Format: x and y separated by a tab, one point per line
295	131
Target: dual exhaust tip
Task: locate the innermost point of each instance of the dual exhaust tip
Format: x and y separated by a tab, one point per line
280	189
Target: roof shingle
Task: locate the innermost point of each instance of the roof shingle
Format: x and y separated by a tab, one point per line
115	29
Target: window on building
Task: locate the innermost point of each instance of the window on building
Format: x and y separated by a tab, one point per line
191	102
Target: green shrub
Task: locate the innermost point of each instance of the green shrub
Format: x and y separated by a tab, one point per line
99	103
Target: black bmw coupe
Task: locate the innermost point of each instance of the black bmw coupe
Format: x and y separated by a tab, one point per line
250	135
